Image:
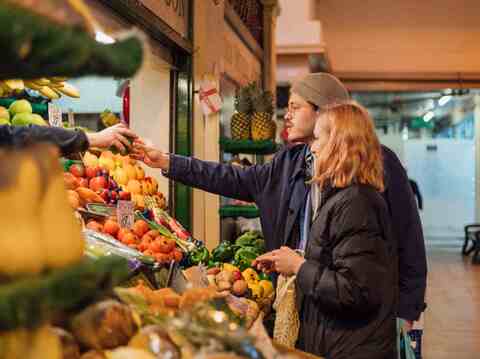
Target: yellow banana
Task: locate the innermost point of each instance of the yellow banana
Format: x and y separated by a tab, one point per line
58	79
69	90
14	84
41	81
32	85
48	92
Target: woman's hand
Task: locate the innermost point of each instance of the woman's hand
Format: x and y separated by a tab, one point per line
284	261
150	156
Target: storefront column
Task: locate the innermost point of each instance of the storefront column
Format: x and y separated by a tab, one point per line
208	43
477	157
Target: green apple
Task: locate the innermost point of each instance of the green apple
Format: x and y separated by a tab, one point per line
20	106
25	119
4	115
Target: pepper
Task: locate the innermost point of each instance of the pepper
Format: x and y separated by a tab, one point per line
223	253
245	256
199	255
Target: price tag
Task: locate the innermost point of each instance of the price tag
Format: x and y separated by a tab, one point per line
125	214
54	115
71	118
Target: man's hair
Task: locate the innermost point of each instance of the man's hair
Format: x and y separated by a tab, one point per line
352	153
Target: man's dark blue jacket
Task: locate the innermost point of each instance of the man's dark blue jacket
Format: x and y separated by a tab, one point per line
278	188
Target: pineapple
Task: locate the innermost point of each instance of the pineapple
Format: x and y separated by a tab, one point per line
240	122
263	127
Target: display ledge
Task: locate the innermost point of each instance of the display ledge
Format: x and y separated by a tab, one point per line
265	147
239	211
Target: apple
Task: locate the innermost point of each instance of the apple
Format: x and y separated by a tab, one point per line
104	194
77	170
130	171
120	176
82	182
140	172
98	183
113	197
124	196
91	172
134	187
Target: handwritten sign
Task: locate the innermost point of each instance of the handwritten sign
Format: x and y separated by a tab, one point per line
125	214
54	115
71	118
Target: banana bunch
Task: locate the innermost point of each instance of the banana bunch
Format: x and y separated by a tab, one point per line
52	88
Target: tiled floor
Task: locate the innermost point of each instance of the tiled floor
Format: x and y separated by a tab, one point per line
452	320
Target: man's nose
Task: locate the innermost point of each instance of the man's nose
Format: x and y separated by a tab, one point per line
287	115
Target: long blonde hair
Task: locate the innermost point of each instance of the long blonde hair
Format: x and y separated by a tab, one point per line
352	153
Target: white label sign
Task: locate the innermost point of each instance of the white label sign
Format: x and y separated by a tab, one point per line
125	214
54	115
71	118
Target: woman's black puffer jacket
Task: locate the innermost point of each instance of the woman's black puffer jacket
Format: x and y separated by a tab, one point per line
347	288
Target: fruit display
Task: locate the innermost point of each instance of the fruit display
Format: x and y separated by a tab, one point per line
19	113
252	119
108	178
263	127
241	121
52	88
140	237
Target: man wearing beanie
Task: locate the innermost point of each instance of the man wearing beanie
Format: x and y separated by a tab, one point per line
280	191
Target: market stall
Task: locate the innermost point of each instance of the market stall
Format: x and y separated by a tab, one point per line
94	263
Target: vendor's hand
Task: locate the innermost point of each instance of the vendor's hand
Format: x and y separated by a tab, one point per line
286	261
112	136
150	156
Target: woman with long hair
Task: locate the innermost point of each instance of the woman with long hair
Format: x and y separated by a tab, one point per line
346	282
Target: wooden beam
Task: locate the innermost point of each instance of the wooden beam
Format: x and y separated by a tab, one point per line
242	31
136	13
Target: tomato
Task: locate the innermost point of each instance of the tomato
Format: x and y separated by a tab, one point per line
111	227
153	233
122	232
140	227
130	238
161	257
178	255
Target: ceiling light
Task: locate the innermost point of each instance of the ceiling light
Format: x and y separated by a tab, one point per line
444	100
428	116
100	36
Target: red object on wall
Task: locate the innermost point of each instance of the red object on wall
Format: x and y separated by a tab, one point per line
126	105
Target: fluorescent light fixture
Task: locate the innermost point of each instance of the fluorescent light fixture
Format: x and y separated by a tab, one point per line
100	36
444	100
430	105
428	116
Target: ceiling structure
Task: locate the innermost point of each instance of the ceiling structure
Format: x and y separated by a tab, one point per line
374	45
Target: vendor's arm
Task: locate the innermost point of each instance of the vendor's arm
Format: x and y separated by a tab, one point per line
68	141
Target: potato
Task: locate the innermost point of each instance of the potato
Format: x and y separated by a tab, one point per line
239	288
224	285
214	271
104	325
224	276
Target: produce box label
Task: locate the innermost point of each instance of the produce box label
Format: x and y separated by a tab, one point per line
71	118
54	115
125	214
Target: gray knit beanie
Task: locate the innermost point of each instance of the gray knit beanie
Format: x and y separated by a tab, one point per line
320	88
